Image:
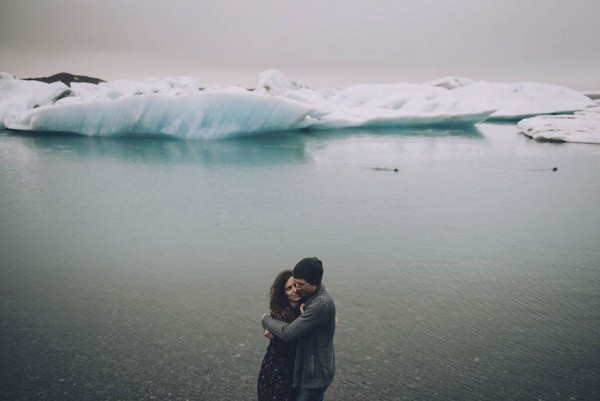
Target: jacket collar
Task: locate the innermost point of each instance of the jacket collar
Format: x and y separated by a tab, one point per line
319	290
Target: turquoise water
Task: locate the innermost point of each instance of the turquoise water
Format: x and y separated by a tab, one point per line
139	268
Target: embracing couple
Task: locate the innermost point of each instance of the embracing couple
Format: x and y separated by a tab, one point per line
300	361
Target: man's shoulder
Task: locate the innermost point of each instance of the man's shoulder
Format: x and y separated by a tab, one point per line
323	297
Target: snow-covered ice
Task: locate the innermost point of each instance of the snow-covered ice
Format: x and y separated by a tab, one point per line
399	105
18	96
582	127
515	101
177	107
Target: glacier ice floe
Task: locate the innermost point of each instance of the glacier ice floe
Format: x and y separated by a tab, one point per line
582	127
179	108
210	115
515	101
18	96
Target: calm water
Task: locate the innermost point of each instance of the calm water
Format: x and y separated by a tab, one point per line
139	269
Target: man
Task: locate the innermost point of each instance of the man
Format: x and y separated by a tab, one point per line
313	330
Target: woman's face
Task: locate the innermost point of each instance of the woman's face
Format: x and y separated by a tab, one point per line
290	290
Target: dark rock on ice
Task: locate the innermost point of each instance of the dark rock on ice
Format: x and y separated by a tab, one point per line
66	78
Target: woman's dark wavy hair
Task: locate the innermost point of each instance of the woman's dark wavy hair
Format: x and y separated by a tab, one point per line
280	305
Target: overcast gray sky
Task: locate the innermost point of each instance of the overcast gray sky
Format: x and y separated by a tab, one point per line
335	42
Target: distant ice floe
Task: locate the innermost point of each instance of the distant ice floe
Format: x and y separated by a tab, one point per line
515	101
581	127
180	108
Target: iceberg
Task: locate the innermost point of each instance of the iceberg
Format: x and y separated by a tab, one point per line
581	127
211	115
17	96
181	108
390	105
519	100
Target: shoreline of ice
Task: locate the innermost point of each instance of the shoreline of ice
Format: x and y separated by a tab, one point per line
179	108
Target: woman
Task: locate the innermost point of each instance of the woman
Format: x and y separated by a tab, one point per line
277	369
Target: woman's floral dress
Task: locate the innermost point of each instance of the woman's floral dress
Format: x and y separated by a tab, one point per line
277	371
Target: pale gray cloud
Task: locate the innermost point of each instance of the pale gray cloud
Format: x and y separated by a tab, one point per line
336	42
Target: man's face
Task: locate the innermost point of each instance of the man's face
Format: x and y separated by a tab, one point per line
303	287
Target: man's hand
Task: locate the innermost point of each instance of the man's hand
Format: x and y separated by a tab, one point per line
268	334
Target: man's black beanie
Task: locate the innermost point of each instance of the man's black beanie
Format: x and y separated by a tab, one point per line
309	269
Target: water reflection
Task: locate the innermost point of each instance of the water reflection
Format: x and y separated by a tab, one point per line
271	148
434	131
